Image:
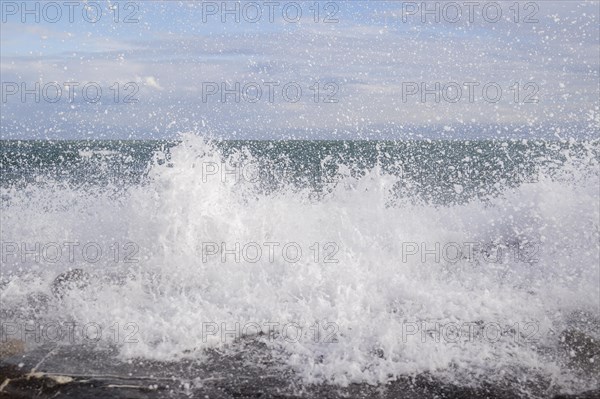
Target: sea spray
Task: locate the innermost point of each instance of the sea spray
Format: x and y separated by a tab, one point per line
370	298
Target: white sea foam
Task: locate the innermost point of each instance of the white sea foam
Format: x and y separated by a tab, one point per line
373	295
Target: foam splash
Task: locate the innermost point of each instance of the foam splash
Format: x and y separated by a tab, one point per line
370	300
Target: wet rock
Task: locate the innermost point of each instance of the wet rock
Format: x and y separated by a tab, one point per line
11	347
75	279
581	350
248	369
595	394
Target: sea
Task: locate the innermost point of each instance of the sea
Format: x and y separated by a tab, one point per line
353	262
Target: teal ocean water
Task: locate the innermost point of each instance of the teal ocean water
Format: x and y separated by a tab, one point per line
433	171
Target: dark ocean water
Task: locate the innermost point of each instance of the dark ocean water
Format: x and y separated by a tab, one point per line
434	171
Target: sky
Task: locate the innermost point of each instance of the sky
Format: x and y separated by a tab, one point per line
306	70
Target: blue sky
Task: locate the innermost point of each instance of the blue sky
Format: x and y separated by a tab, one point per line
369	58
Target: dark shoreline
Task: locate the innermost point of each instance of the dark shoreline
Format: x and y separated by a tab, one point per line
83	372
